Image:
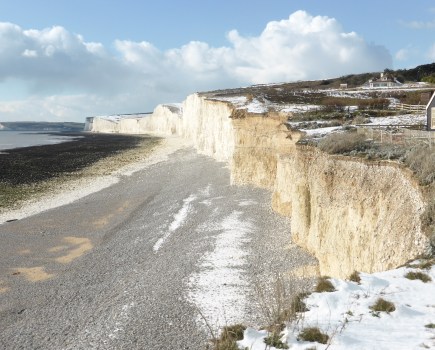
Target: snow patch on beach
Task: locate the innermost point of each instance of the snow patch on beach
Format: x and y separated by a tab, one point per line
345	315
218	289
178	220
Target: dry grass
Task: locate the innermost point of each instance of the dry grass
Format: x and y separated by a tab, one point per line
274	340
229	337
324	285
355	277
417	275
343	143
313	334
382	305
421	160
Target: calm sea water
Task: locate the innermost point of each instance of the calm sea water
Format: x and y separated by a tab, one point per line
16	139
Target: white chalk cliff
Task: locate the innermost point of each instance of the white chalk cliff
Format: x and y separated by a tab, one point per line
351	214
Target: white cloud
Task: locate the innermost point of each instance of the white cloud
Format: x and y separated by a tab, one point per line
419	24
68	77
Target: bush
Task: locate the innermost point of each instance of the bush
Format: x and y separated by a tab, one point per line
355	277
421	160
298	304
418	276
425	264
383	305
324	285
313	334
430	325
275	340
342	143
228	338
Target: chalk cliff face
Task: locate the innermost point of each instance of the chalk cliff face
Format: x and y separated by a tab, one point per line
351	214
208	125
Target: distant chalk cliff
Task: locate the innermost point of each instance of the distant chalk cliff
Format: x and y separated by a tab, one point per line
352	214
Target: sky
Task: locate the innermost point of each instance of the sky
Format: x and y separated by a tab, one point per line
63	60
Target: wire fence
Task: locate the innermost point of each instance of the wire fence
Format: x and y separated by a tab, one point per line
398	134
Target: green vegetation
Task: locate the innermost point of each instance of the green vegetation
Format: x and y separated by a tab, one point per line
418	276
313	334
430	325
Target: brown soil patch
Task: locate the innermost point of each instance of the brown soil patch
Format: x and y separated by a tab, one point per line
78	246
33	274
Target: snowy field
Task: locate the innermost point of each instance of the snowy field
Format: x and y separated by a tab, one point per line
345	315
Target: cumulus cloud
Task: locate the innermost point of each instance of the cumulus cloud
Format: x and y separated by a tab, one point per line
68	77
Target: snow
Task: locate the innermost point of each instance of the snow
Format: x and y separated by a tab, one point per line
218	288
179	219
403	119
299	108
236	101
346	317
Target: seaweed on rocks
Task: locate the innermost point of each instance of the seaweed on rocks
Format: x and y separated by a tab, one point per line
31	165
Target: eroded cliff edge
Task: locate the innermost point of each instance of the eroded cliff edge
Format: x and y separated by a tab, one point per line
352	214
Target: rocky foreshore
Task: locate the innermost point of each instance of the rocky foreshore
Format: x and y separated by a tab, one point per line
37	178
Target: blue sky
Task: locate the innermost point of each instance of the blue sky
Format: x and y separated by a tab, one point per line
66	60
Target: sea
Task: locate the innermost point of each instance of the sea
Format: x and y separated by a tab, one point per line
17	139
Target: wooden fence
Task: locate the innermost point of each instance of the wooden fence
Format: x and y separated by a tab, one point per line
410	108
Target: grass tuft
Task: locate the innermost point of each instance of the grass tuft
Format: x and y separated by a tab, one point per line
383	305
343	143
355	277
313	334
324	285
274	340
411	275
229	337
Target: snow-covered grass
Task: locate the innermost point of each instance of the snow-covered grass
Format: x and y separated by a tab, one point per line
346	316
402	119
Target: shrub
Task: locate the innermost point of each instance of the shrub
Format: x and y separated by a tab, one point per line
430	325
324	285
313	334
418	276
274	340
228	338
428	216
298	304
355	277
421	160
342	143
279	300
423	264
383	305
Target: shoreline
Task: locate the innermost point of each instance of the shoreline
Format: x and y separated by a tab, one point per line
94	178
